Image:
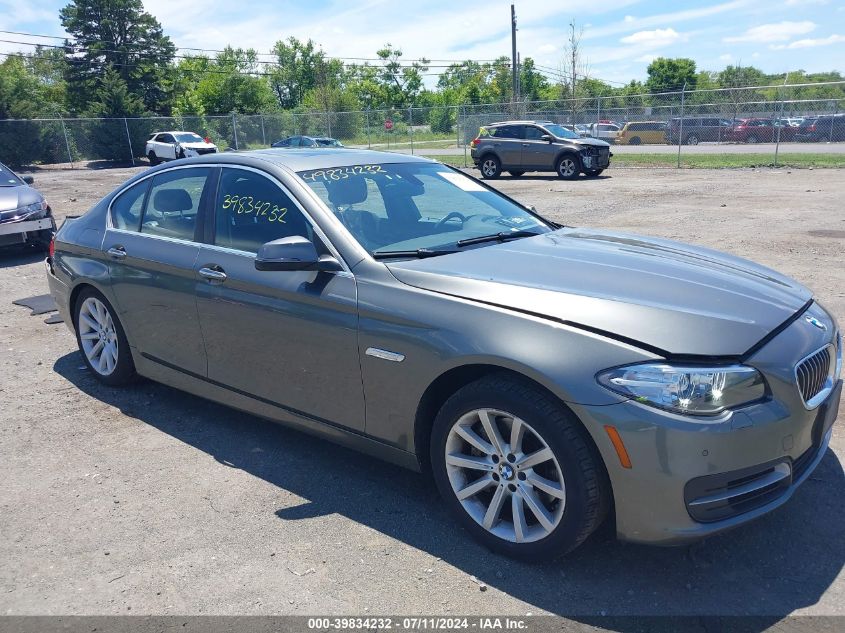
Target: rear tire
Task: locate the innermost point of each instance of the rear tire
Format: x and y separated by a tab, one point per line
101	339
153	158
635	141
491	167
692	139
540	510
516	174
751	139
568	167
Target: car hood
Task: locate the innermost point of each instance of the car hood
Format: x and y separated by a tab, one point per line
587	141
197	145
19	196
673	298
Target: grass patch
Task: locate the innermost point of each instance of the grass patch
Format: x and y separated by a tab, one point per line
704	161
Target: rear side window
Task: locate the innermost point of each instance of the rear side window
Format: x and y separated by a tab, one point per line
127	208
252	210
506	131
174	203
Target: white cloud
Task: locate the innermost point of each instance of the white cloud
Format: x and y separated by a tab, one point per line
777	32
726	57
653	39
810	43
629	18
798	3
646	58
755	55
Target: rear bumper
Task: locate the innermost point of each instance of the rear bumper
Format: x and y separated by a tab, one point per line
60	292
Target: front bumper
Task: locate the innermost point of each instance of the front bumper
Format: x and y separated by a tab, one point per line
690	480
15	232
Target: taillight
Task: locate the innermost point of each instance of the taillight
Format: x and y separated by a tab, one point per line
474	142
812	127
52	250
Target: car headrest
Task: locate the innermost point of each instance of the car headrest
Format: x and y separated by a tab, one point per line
172	200
348	191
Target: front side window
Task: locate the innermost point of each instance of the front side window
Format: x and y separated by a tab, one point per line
174	203
252	210
127	208
400	207
533	133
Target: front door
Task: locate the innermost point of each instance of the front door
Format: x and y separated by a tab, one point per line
537	153
151	249
289	338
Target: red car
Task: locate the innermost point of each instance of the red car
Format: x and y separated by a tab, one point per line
758	131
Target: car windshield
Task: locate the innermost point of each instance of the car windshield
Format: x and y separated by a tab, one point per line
7	178
418	209
188	137
559	131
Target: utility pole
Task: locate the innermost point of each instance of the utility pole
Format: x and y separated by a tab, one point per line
513	55
573	44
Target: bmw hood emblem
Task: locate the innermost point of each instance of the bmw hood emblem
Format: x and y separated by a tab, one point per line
814	321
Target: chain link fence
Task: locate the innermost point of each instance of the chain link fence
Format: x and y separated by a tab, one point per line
685	123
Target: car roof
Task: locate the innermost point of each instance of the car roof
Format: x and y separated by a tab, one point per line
303	159
176	132
522	122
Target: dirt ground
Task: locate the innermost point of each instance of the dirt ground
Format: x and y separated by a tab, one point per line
149	501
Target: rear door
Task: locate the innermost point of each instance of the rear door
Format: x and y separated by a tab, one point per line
151	243
289	338
507	144
166	146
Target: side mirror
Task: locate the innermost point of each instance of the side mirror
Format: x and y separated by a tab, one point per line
293	253
547	138
28	180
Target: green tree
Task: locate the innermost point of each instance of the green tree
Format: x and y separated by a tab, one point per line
670	75
401	82
116	34
296	70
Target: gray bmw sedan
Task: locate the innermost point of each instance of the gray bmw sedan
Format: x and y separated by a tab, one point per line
547	377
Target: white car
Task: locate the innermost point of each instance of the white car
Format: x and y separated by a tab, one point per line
604	131
172	145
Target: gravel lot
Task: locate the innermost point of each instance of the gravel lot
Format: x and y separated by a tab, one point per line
149	501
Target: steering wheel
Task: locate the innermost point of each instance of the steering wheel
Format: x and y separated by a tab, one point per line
450	216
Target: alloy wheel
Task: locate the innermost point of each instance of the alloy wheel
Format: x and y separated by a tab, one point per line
489	167
567	168
98	336
505	475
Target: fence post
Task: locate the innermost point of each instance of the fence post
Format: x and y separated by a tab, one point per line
129	139
411	127
833	119
369	145
598	116
67	142
462	114
681	124
263	135
235	130
779	123
457	127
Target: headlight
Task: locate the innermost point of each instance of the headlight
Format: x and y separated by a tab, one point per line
32	209
688	389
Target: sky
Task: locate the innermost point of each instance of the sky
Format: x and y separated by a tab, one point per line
619	37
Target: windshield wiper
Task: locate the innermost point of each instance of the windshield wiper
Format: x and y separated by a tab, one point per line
496	237
419	253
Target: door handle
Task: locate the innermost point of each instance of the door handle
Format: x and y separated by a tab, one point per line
212	275
117	252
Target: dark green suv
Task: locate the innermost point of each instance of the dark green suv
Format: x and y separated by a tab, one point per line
521	146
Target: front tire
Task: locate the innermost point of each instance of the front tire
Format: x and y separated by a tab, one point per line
593	173
692	139
517	469
491	168
153	158
568	167
101	339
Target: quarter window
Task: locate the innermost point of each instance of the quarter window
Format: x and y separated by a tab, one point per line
127	208
174	203
252	210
